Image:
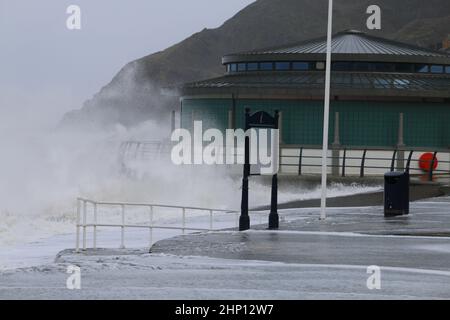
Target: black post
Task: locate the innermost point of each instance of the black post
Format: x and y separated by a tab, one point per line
394	155
408	164
344	159
244	219
273	216
300	158
433	161
363	163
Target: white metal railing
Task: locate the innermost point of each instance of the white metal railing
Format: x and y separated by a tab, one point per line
82	225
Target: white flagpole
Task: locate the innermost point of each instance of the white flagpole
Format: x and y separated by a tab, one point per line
326	114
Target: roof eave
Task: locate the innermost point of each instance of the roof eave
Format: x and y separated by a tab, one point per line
236	58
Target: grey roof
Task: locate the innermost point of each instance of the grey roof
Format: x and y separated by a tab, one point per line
349	45
352	42
352	83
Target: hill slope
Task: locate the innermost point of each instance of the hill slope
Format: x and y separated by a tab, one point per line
134	95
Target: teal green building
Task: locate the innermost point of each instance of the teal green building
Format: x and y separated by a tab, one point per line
385	94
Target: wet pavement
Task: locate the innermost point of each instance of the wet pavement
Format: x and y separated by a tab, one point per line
354	236
426	218
305	259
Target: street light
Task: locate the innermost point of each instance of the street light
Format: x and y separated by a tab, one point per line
326	114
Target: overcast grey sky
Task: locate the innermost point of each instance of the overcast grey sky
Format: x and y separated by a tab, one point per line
39	55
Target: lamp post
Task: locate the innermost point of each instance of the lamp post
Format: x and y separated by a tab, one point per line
326	114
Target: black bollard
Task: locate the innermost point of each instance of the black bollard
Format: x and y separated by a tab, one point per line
273	216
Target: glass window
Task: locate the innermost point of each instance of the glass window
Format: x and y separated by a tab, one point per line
401	83
252	66
233	67
341	66
320	65
447	69
300	66
282	65
404	67
383	67
437	69
361	66
266	66
242	67
422	68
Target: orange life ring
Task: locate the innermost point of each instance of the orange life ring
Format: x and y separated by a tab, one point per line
425	161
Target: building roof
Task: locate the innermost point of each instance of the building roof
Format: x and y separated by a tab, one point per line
349	45
346	45
312	84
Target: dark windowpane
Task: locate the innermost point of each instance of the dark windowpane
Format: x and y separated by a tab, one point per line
266	66
404	67
437	69
282	65
383	67
361	66
447	69
252	66
422	68
341	66
233	67
242	66
300	66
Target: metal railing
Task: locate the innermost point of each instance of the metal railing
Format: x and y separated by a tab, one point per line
388	164
82	225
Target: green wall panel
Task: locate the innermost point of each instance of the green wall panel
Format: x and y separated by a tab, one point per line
213	113
362	123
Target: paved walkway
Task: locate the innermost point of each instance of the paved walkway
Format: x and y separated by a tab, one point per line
357	236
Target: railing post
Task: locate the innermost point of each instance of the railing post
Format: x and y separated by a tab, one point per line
210	220
84	224
300	160
184	220
343	162
363	163
151	226
408	164
394	155
77	246
122	238
433	161
95	226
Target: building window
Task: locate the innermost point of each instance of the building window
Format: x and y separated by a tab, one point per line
383	67
404	68
320	65
341	66
361	66
447	69
422	68
242	67
300	66
437	69
282	66
233	67
252	66
265	66
401	83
